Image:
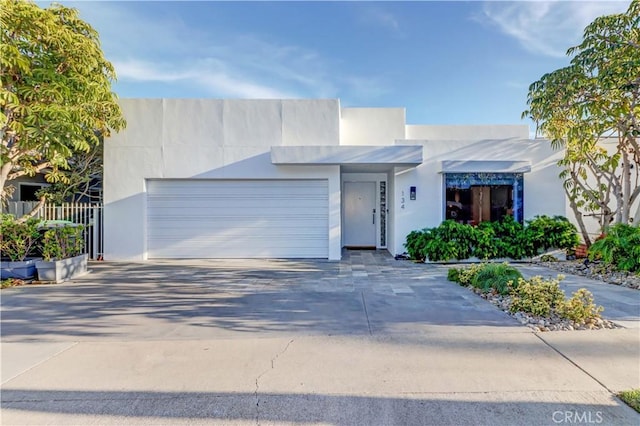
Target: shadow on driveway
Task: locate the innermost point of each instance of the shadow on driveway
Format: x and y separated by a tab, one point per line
209	299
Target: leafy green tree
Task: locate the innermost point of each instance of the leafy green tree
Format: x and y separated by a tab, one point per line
56	101
596	99
82	178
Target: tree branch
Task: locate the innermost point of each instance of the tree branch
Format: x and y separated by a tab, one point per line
34	211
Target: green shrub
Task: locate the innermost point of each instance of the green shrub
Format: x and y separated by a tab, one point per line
62	242
491	240
415	243
512	241
551	232
545	298
453	274
487	244
548	258
450	240
466	275
620	247
17	239
497	276
580	307
486	276
537	296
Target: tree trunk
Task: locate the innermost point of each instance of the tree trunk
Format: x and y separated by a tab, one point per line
579	219
33	211
625	207
4	174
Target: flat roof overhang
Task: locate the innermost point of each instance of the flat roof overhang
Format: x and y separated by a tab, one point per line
485	166
343	155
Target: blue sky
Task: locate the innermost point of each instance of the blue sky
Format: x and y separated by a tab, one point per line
445	62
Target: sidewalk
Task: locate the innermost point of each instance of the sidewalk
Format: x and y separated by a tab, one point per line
452	378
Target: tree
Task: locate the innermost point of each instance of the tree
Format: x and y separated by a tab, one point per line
596	99
82	178
56	104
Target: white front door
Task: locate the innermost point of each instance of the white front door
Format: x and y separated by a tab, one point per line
359	203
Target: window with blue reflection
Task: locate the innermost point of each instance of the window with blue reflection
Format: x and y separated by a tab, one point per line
478	197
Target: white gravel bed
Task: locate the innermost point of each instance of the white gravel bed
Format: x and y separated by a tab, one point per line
595	270
539	323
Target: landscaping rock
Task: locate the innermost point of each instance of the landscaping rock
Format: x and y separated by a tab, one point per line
595	270
540	324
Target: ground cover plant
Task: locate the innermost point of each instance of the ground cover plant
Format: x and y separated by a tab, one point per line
632	398
537	296
536	301
491	240
620	248
10	282
498	277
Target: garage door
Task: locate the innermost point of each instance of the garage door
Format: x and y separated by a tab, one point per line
237	218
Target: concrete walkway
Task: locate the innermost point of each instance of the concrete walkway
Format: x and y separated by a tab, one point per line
368	340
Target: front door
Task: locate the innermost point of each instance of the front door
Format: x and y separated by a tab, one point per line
359	203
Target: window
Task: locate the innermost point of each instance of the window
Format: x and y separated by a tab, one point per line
28	192
478	197
383	214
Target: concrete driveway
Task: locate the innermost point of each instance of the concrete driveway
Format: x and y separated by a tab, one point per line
368	340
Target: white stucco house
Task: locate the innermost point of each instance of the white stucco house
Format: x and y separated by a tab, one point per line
208	178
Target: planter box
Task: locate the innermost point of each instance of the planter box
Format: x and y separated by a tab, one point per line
62	270
581	251
24	269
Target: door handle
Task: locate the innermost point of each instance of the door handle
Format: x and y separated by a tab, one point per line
374	216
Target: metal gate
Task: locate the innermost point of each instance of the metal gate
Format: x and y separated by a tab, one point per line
90	216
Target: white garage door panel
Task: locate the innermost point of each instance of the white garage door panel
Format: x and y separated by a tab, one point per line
238	232
227	218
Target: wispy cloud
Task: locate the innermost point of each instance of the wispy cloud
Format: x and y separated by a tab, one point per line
220	62
138	70
544	27
208	75
376	16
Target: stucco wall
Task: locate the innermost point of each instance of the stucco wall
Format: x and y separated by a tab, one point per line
231	139
543	193
467	132
208	139
371	126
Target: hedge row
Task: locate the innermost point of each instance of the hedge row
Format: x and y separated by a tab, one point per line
491	240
